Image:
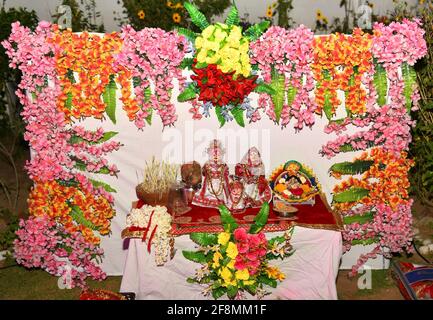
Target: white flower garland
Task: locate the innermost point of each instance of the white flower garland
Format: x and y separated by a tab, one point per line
161	239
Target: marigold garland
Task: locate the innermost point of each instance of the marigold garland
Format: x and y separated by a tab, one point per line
59	201
351	54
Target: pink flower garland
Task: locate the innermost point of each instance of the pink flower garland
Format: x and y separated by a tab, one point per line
42	243
289	52
153	56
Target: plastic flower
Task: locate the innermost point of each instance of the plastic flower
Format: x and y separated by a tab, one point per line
223	238
269	12
274	273
232	250
242	274
216	258
141	14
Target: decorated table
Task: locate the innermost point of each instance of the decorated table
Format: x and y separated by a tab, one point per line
310	273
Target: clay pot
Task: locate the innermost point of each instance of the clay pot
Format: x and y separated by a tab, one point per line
152	199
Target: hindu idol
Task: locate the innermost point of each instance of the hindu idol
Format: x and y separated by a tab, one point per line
251	171
215	186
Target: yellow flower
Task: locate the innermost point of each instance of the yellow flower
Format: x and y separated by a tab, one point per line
319	15
226	274
269	12
232	250
242	274
220	35
231	264
216	259
275	273
199	42
223	238
201	56
206	33
176	17
248	282
141	14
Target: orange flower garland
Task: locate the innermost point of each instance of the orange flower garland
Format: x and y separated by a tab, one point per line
387	180
56	201
339	63
84	63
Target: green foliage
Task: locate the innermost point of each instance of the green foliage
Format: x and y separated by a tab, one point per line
238	115
106	186
79	218
380	83
196	256
187	63
109	96
218	292
198	18
255	31
409	77
260	219
365	242
278	84
7	236
291	94
233	16
204	239
268	281
264	88
220	117
327	106
189	93
159	14
80	165
351	195
361	219
105	137
190	35
352	168
229	223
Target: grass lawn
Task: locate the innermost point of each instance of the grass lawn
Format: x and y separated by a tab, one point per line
19	283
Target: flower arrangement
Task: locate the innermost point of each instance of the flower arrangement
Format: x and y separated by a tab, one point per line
221	65
237	260
42	243
284	57
155	224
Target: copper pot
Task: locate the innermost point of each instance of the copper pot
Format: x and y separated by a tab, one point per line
151	198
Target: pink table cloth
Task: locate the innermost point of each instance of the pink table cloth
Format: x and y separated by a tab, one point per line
310	272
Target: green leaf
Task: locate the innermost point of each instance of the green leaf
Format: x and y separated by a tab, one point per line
149	117
351	195
68	102
238	114
218	292
147	94
365	242
278	84
197	17
270	282
189	93
291	94
80	165
79	218
106	186
327	107
356	167
204	239
189	34
260	219
220	117
255	31
361	219
109	97
380	83
347	147
233	16
232	292
107	136
409	77
252	289
264	88
201	65
187	63
229	223
196	256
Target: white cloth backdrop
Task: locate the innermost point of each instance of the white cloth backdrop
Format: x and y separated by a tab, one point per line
187	140
310	272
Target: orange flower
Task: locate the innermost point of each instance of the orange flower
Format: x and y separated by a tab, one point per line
141	14
176	17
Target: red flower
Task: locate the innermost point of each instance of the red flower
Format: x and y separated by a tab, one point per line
220	88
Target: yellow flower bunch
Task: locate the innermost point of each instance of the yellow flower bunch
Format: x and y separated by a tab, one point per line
226	47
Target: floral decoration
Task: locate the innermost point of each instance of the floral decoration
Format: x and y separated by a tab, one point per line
236	261
223	76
